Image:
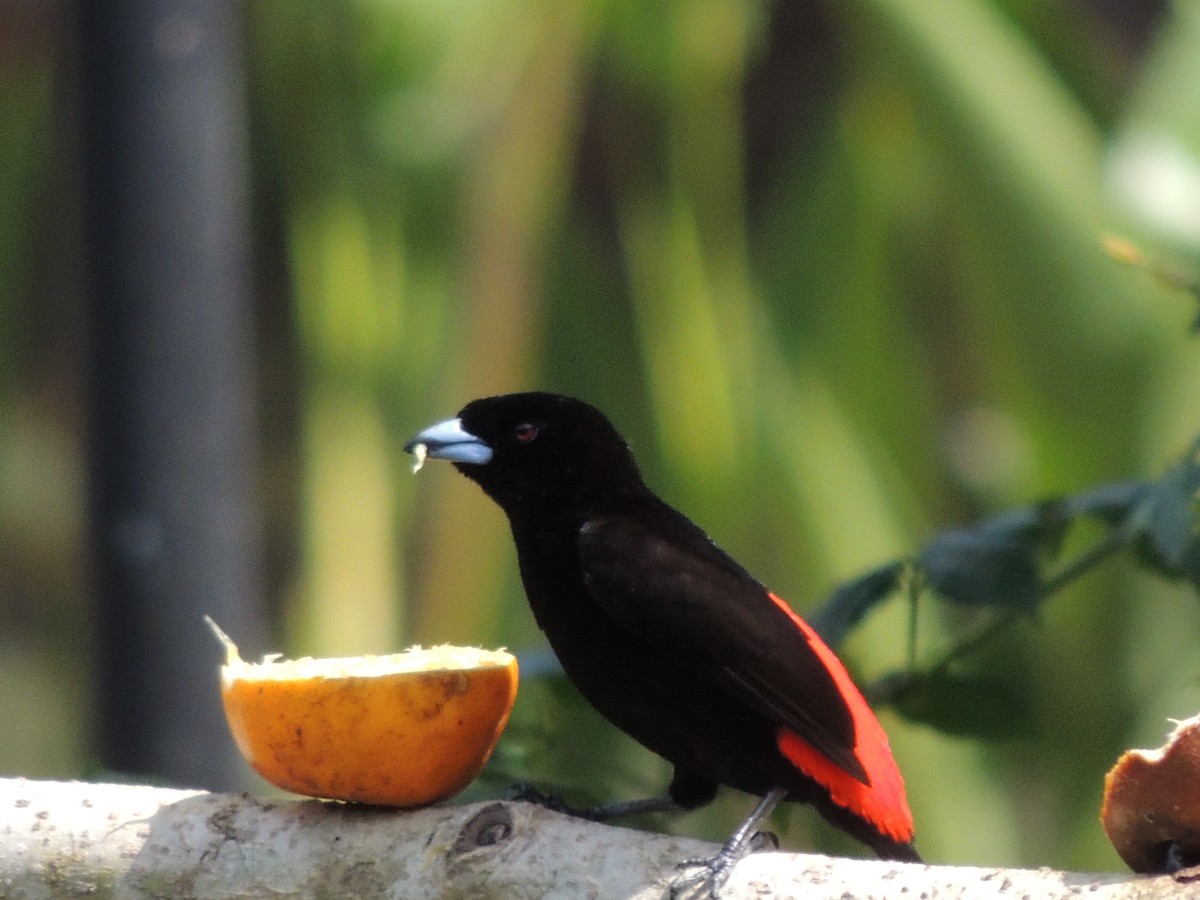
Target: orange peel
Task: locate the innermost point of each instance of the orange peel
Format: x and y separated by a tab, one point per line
407	729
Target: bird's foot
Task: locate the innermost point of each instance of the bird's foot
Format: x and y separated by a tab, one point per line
527	793
523	792
714	871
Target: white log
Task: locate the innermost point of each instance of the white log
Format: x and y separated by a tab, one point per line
73	839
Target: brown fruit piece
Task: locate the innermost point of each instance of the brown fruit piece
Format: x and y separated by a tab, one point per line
1151	810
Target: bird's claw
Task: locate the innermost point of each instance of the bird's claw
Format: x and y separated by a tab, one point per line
523	792
715	870
707	882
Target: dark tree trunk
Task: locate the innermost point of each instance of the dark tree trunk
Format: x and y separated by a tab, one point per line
174	516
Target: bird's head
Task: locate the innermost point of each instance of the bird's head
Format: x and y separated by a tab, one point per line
533	451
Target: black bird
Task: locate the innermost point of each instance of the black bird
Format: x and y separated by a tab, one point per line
667	636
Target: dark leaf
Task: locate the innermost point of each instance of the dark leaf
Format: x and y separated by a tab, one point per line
979	568
852	600
1170	543
1111	503
968	706
1040	526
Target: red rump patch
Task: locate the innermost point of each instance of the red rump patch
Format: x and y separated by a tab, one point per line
882	802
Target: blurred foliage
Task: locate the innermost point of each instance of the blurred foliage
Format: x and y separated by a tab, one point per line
836	270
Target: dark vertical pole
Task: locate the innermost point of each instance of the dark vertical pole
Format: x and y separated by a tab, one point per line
174	520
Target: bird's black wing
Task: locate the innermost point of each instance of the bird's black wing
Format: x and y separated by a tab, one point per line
658	575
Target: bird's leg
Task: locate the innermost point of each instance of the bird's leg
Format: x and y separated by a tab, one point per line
527	793
524	792
715	871
687	792
629	808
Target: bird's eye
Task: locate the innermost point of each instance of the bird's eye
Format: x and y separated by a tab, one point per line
525	432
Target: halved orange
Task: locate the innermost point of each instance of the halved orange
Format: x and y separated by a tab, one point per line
407	729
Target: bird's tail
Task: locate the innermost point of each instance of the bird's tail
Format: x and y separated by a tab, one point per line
885	846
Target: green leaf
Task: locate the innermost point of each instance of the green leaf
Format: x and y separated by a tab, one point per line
977	567
968	706
1170	542
852	600
1040	527
1111	503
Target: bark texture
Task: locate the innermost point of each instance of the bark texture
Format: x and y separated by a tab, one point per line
72	839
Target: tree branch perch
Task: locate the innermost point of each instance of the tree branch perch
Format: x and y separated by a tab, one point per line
71	839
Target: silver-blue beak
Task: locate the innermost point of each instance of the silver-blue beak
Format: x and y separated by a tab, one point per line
450	441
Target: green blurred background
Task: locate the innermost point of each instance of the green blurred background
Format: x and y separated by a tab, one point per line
834	269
